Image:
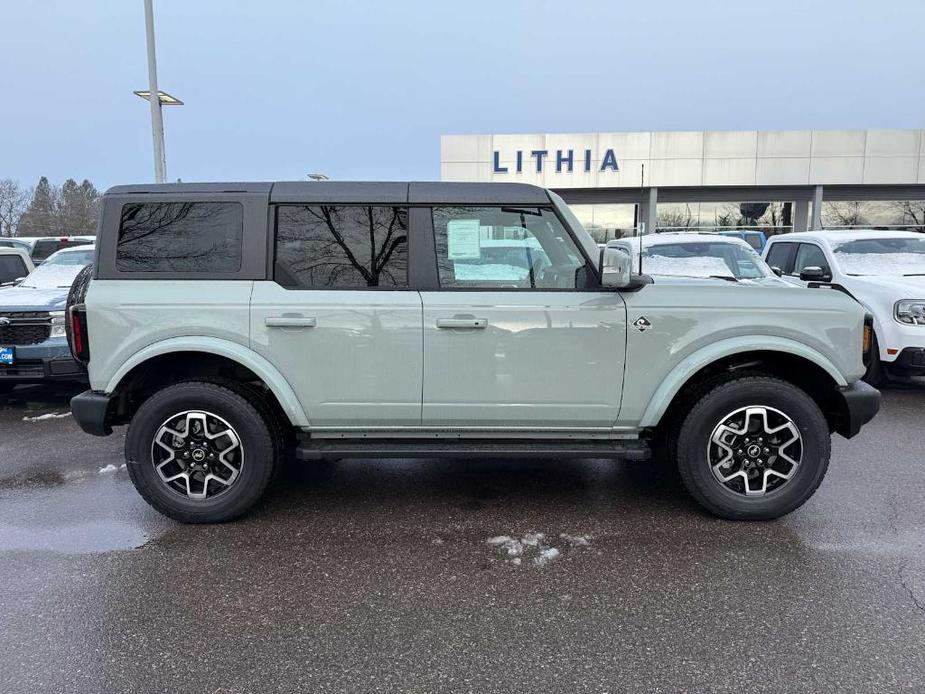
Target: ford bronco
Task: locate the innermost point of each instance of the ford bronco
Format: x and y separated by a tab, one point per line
230	325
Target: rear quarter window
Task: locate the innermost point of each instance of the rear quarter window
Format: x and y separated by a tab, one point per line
180	237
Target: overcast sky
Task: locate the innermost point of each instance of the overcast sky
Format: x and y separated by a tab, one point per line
275	89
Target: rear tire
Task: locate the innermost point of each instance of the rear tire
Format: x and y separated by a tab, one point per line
740	403
225	414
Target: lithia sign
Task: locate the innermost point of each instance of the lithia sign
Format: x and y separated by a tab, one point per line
564	158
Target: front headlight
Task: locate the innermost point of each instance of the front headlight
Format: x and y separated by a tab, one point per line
910	311
57	324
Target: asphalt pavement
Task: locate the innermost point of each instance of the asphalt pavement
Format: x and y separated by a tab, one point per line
458	576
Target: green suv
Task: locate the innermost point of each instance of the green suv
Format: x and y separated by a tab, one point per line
230	325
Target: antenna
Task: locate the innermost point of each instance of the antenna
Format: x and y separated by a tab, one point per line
642	225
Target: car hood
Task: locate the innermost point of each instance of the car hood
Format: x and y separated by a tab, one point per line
30	299
902	287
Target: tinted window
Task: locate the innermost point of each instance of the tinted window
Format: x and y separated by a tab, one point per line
809	255
180	237
512	248
44	248
11	267
341	247
779	255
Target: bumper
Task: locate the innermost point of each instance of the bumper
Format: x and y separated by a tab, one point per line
40	370
91	412
909	362
47	361
859	403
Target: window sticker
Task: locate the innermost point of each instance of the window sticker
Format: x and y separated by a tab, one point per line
463	239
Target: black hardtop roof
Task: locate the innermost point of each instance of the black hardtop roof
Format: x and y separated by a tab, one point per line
359	192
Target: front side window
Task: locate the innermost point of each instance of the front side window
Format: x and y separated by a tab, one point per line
341	246
203	237
810	255
506	248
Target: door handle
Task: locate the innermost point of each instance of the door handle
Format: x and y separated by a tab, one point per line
450	323
289	322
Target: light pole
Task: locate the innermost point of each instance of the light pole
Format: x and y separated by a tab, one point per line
157	119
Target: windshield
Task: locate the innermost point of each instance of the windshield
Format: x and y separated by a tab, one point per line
886	256
59	270
704	259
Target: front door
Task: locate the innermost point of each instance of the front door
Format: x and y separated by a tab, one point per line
518	335
339	320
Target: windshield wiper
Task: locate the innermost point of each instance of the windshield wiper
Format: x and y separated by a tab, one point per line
728	278
915	274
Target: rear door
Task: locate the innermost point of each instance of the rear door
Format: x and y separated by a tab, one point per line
518	335
338	317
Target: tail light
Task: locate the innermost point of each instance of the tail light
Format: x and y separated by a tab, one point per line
80	345
868	340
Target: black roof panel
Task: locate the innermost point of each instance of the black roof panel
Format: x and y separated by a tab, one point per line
422	193
339	191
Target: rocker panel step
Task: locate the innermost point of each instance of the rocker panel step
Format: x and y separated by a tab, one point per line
320	449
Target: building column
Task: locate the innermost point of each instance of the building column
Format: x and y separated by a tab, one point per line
817	208
648	211
800	215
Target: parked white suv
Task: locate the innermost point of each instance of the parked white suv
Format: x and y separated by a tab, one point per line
883	270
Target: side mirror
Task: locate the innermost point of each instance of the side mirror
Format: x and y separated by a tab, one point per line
616	268
777	271
814	273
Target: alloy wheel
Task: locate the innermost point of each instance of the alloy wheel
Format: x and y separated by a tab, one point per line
755	450
197	454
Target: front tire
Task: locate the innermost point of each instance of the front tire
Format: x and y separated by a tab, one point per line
200	453
755	448
874	375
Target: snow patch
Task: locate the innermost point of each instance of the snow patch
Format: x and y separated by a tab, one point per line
534	547
108	468
576	540
546	556
48	415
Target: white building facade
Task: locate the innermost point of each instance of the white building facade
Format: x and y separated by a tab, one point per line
705	172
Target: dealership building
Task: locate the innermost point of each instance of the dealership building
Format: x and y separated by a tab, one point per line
621	182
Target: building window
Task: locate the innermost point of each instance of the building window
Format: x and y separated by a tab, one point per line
341	246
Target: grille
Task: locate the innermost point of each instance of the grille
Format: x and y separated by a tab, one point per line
25	328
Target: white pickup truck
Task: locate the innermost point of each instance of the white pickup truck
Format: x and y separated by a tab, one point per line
883	270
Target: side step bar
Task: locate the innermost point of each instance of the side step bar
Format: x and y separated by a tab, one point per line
321	449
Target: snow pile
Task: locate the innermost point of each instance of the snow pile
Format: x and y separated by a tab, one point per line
534	547
890	264
111	468
49	415
687	267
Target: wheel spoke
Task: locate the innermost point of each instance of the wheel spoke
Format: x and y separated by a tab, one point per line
194	448
755	450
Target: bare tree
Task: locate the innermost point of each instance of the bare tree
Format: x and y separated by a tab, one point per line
677	217
911	212
13	201
844	214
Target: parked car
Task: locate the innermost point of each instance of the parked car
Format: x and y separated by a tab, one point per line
19	243
226	322
41	247
698	255
15	264
755	239
33	344
883	270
